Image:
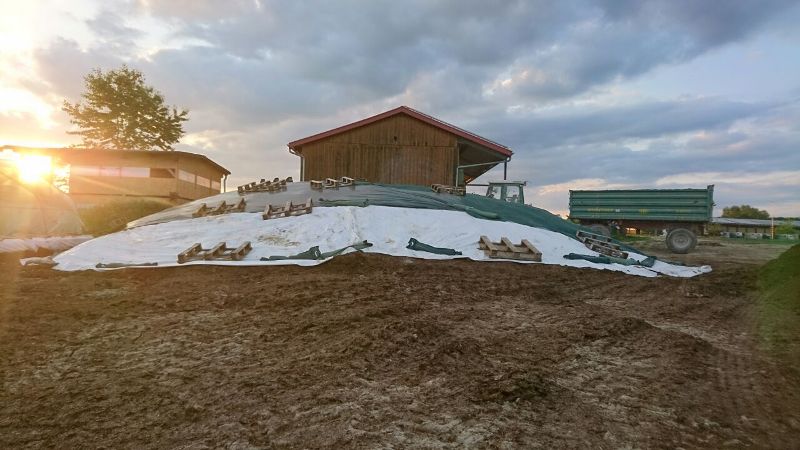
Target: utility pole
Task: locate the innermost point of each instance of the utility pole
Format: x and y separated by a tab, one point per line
772	227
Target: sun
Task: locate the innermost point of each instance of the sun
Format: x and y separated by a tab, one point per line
34	168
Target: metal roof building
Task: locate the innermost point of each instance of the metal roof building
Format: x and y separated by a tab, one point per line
752	222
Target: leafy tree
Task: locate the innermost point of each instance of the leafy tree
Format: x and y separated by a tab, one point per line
120	112
785	227
744	212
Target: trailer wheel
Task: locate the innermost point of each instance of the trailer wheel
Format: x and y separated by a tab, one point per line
598	228
681	240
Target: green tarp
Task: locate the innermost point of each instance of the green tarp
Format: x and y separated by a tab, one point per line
602	259
368	194
314	253
414	244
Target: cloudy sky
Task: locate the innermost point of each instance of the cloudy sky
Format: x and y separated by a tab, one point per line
588	94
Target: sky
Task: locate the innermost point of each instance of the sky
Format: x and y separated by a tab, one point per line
588	94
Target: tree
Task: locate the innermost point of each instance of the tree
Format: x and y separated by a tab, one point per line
744	212
785	227
122	113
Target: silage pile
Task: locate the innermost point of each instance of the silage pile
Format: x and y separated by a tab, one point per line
387	228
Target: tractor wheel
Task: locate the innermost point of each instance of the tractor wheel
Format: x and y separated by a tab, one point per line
681	240
598	228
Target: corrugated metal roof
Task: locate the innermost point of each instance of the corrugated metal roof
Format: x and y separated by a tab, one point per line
499	148
65	151
752	222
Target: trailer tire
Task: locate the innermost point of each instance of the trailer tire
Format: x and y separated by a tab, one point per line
681	240
598	228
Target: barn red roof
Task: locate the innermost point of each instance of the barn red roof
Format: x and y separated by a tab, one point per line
501	149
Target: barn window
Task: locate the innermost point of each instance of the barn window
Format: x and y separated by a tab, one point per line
110	171
186	176
156	172
89	171
134	172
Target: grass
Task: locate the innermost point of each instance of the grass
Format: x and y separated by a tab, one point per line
113	216
779	302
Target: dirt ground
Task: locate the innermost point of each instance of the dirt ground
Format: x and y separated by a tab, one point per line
371	351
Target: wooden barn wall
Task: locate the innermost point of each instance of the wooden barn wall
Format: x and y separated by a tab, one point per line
397	150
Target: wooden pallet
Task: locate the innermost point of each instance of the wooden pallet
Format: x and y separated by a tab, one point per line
601	244
332	183
219	252
505	249
608	251
264	185
222	208
597	239
443	188
287	210
589	235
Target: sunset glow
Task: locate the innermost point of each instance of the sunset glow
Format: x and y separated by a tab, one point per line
34	168
657	92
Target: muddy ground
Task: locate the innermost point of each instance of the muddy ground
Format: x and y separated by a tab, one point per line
381	352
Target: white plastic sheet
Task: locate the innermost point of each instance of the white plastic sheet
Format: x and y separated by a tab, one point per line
54	244
388	228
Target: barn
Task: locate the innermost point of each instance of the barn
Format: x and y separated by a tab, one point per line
96	176
400	146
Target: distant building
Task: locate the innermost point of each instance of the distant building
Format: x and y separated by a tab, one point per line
95	176
400	146
748	226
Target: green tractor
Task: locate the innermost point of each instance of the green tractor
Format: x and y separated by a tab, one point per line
507	191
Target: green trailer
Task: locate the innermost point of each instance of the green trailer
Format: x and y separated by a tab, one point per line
683	213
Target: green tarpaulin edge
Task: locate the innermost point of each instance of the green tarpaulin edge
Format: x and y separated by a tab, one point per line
602	259
315	254
403	196
414	244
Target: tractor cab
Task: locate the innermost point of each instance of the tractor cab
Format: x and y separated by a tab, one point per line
507	191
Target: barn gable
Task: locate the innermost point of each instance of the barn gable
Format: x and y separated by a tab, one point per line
401	146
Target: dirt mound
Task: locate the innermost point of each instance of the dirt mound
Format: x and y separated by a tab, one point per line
370	351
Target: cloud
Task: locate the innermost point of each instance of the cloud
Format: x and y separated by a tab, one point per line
265	60
626	39
195	9
63	64
550	79
580	125
112	32
785	178
776	191
580	184
525	50
745	149
27	129
640	143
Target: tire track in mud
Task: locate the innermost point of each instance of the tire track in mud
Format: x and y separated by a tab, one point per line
738	413
746	405
736	409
